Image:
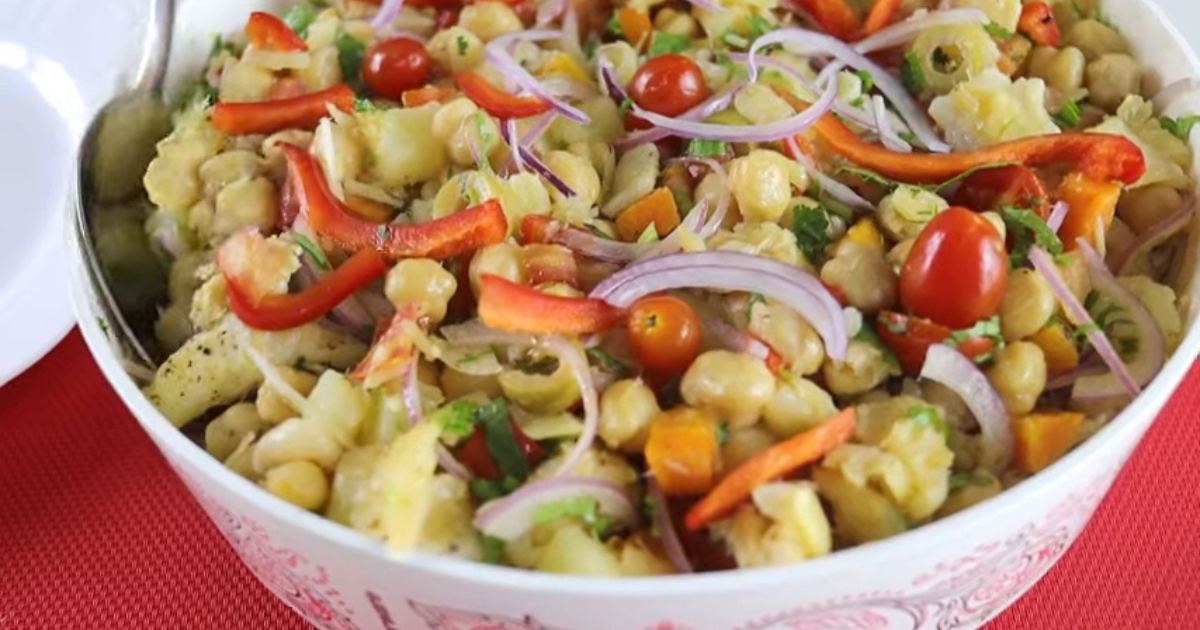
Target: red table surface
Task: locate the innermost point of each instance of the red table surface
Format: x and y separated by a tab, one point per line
96	531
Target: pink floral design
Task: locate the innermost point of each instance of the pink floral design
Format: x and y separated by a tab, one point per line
445	618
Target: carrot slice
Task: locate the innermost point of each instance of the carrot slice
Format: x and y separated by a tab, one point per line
782	459
635	24
657	208
682	451
1042	438
881	16
1091	203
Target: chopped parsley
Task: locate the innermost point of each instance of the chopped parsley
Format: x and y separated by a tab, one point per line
706	148
997	31
365	105
867	334
199	94
912	75
488	489
963	479
1069	116
929	416
486	139
755	298
350	57
811	227
586	509
457	418
665	43
1027	229
608	362
1180	127
758	26
501	441
614	26
986	328
462	44
626	105
312	250
299	18
733	40
1108	317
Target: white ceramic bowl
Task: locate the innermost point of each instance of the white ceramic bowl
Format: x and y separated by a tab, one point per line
955	573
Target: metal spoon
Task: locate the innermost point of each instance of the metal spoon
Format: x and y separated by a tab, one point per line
111	204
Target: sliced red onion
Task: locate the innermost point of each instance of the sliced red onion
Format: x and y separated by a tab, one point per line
1068	378
608	79
666	529
609	250
729	336
949	367
1044	263
777	130
411	391
514	143
1058	214
569	40
883	123
536	164
451	465
538	128
1173	91
510	517
830	186
1152	238
497	53
733	271
570	355
708	107
386	15
813	43
693	223
903	32
1151	350
707	5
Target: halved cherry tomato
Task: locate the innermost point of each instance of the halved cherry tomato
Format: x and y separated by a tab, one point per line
1038	24
667	84
1015	185
475	455
665	334
395	66
497	102
267	32
957	270
909	338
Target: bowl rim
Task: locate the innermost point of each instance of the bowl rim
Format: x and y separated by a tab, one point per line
1129	424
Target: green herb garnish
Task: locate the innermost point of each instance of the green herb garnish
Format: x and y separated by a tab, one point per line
462	44
912	75
928	416
299	18
963	479
492	549
1069	116
312	250
706	148
365	105
811	227
666	43
350	57
501	441
1027	229
586	509
1180	127
457	418
997	31
608	363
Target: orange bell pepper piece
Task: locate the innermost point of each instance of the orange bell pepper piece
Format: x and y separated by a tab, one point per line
1042	438
882	14
774	463
835	17
682	451
1061	354
267	32
369	209
449	236
635	24
1090	203
303	112
1038	24
1098	156
427	94
657	208
506	305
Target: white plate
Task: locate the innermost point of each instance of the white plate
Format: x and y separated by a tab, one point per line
58	60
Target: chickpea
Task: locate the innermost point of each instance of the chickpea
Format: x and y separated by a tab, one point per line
301	483
863	370
1094	38
226	168
1061	69
272	406
1111	78
578	174
489	19
745	443
457	384
458	125
500	259
761	183
1143	208
798	405
623	57
674	22
423	283
626	410
223	435
245	203
1019	375
864	276
456	49
788	334
1028	304
734	386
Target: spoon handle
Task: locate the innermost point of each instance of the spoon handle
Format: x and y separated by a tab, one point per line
152	64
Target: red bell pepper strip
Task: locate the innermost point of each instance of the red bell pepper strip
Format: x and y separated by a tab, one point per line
910	337
1015	185
835	17
302	112
267	32
882	14
496	101
1038	24
506	305
447	237
281	312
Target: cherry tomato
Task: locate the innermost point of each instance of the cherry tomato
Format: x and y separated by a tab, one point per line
393	66
445	18
909	338
475	455
665	334
957	270
668	85
1015	185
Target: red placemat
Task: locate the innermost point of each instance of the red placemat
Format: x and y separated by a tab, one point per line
96	531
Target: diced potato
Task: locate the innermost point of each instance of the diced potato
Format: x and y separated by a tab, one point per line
401	144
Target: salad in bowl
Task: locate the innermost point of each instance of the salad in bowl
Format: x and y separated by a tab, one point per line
662	287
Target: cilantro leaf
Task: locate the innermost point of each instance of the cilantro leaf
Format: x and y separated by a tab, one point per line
488	489
1027	229
929	416
997	31
733	40
868	81
457	418
758	26
912	75
501	441
811	227
963	479
585	509
365	105
614	26
462	45
1180	127
312	250
985	329
665	43
1069	116
350	57
299	18
706	148
608	362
